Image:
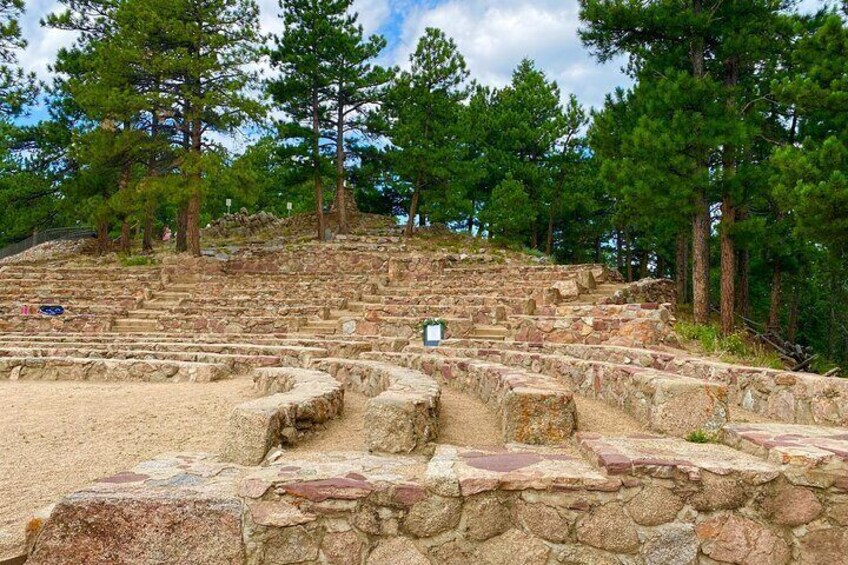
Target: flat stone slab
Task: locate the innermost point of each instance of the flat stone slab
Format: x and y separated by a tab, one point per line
813	455
342	475
181	506
465	471
298	401
644	455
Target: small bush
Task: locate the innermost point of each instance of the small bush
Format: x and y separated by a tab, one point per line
136	260
700	436
733	348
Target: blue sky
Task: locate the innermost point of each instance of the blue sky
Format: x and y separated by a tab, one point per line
493	35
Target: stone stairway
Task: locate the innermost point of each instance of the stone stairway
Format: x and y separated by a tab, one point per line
144	319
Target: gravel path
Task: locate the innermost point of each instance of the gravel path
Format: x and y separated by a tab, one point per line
599	417
463	420
58	436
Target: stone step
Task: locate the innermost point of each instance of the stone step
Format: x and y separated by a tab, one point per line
812	455
497	333
146	313
663	458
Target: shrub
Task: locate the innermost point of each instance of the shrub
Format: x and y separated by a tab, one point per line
136	260
701	436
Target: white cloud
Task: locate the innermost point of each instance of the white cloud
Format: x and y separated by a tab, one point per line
494	35
43	43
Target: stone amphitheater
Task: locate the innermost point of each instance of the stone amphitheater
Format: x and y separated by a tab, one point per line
274	403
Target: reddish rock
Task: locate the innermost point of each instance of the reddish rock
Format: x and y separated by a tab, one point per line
825	547
609	527
735	539
107	530
793	506
341	488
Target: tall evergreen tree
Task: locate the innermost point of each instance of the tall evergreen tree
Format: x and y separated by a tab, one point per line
304	54
422	110
356	86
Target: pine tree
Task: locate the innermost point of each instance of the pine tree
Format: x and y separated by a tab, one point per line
529	121
422	110
215	42
304	55
356	87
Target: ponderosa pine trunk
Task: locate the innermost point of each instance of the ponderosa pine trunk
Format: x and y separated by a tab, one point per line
681	268
341	207
776	298
193	223
701	261
193	210
103	243
619	251
147	233
182	226
644	259
549	242
629	259
413	208
701	219
316	165
792	326
126	239
728	213
743	302
728	266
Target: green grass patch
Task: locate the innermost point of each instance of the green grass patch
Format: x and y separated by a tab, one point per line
701	436
733	348
136	260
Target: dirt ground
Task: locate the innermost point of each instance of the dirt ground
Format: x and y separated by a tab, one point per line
58	436
599	417
463	420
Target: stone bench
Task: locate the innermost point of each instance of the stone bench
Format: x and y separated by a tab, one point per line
811	455
401	327
65	323
402	413
666	402
334	345
798	398
296	402
233	361
534	408
83	369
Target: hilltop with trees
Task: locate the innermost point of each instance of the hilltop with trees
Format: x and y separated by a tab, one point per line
724	165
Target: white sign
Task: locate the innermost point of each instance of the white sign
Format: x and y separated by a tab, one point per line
288	206
229	202
433	333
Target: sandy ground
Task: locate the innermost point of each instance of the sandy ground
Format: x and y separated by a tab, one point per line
58	436
463	420
601	418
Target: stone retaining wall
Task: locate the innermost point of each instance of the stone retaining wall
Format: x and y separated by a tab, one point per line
79	369
534	409
296	402
665	402
681	505
403	413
